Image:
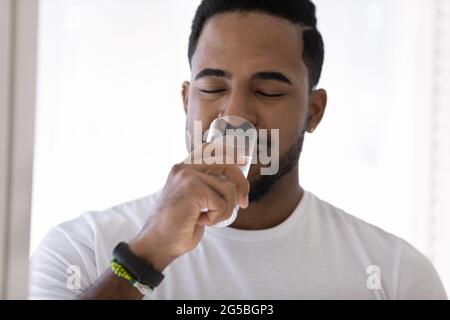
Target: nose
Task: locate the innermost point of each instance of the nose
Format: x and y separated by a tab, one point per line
240	104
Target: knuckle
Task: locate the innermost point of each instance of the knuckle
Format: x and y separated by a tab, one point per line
176	168
234	168
184	174
185	179
190	183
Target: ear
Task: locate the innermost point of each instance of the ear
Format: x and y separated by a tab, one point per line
185	95
316	110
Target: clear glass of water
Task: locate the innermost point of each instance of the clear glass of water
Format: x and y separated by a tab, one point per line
238	138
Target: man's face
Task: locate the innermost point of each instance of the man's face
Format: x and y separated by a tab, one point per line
258	74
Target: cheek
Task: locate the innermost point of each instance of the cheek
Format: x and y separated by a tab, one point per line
201	110
290	123
198	118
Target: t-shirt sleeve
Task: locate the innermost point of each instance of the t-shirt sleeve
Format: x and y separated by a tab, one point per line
63	265
418	279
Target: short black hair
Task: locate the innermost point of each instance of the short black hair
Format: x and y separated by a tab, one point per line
300	12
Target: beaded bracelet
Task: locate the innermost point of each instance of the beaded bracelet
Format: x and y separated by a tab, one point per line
121	272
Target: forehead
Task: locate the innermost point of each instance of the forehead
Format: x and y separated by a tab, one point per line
242	42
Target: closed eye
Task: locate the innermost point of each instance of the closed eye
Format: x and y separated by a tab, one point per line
276	95
212	91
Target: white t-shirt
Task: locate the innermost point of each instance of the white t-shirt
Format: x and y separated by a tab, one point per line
318	252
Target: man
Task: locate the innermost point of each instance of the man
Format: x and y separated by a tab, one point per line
260	60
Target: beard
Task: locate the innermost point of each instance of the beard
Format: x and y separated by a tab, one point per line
260	186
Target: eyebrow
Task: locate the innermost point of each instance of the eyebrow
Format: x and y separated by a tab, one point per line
271	75
263	75
208	72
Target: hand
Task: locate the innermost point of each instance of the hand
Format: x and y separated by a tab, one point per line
179	222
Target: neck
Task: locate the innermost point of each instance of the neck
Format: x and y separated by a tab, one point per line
275	207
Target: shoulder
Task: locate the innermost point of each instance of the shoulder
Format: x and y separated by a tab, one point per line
84	244
341	224
410	273
418	279
118	223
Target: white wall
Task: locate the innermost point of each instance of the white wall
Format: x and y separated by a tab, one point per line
368	151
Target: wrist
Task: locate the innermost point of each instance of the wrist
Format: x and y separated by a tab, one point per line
151	253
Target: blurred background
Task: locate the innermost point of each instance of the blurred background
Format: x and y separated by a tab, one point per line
110	122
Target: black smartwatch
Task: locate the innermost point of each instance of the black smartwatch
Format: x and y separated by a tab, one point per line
137	266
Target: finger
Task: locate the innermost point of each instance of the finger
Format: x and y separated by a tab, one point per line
235	175
215	153
211	200
226	189
229	171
